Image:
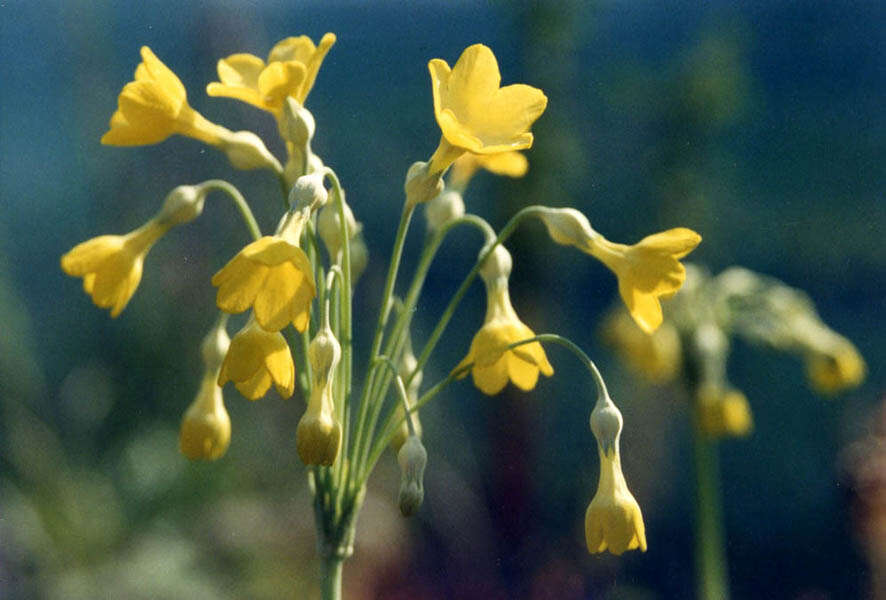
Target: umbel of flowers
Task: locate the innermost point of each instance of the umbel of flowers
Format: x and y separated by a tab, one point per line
294	296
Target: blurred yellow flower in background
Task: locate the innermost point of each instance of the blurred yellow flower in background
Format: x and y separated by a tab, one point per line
724	412
272	276
493	365
154	107
474	113
839	369
508	164
290	70
257	358
648	271
613	520
111	265
656	356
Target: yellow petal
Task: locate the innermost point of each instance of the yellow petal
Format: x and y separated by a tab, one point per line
523	374
240	70
491	379
238	284
278	80
256	386
244	94
272	303
510	164
152	68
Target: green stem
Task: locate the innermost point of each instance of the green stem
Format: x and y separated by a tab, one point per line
710	553
331	573
245	212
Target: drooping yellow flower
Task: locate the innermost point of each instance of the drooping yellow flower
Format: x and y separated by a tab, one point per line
474	113
154	107
724	412
272	276
656	356
493	365
319	432
291	70
206	427
613	520
648	271
256	359
111	265
508	164
839	369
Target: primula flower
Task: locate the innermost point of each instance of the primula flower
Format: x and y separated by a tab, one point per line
291	69
839	369
656	356
257	358
493	365
206	427
274	277
648	271
474	113
613	520
154	107
111	265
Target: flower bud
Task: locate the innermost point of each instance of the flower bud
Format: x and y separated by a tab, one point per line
497	265
318	435
606	423
359	257
246	151
182	205
298	123
446	207
308	191
324	352
206	427
407	365
329	227
412	459
421	186
215	347
568	226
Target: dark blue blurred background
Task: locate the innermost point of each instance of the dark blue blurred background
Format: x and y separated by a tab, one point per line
760	125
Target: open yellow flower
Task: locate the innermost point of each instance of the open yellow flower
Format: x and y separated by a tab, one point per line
272	276
493	365
111	265
474	113
648	271
154	107
839	369
291	70
613	520
256	359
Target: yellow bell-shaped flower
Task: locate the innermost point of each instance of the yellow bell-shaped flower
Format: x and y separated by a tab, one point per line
290	71
154	107
493	365
111	265
206	427
273	277
474	113
648	271
613	520
257	358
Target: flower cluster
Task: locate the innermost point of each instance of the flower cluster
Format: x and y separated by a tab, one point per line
290	288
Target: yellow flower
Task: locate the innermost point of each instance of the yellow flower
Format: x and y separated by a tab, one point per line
206	427
474	113
272	276
291	69
318	435
613	520
154	107
648	271
493	365
841	368
111	265
656	356
509	164
724	412
257	358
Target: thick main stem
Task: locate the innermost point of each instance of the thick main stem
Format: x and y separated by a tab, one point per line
330	586
710	553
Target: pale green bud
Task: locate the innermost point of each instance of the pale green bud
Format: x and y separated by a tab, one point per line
246	151
182	205
412	459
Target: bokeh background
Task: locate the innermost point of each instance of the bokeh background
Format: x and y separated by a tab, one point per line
759	124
